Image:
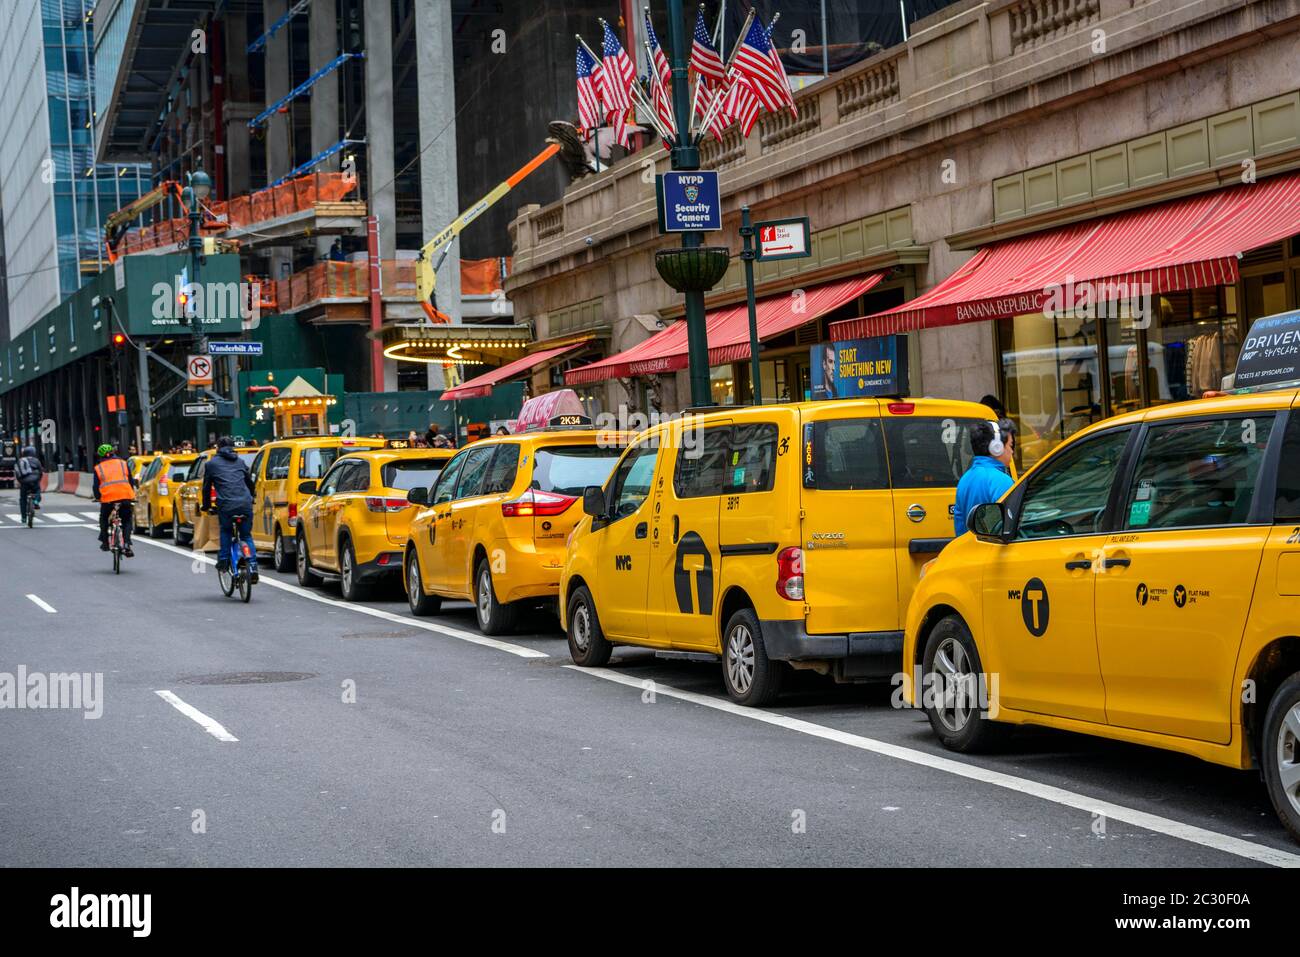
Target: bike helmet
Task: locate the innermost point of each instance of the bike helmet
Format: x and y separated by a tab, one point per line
104	450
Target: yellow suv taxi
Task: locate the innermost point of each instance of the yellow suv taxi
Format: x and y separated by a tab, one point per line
1142	583
492	529
356	520
769	534
153	498
139	463
278	470
185	497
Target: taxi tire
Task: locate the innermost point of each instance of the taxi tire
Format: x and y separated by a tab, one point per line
302	565
422	605
1284	700
598	649
500	617
979	733
280	556
177	536
767	675
356	591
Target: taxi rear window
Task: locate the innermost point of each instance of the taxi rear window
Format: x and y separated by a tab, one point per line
928	452
177	473
568	469
411	473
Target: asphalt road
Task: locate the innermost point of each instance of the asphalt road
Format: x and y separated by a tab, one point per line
407	741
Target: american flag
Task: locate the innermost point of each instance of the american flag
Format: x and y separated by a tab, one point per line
742	103
618	73
589	71
661	80
721	119
785	80
753	61
704	58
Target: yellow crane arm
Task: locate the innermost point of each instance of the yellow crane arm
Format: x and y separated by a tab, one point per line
426	269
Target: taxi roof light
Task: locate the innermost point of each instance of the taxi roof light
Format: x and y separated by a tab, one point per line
901	408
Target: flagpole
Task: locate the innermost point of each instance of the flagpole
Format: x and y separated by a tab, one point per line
695	97
717	101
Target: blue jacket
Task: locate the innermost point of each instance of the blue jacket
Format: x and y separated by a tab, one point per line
230	477
987	480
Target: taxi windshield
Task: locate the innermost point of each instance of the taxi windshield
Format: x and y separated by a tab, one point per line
412	473
568	469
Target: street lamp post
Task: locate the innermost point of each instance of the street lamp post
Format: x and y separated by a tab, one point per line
195	193
685	155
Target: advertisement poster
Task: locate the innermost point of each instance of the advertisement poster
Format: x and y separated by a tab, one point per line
855	368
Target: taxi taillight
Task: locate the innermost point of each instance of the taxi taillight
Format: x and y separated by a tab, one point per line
379	504
293	512
901	408
789	573
534	502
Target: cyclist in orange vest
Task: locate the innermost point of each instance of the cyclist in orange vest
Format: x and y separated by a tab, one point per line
114	486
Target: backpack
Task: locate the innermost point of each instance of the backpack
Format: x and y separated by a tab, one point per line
28	468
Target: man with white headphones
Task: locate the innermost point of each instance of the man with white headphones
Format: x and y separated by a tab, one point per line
989	475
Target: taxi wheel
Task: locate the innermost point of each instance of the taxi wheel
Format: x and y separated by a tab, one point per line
306	577
751	678
954	700
150	528
349	587
177	536
1280	753
587	644
494	617
421	604
283	563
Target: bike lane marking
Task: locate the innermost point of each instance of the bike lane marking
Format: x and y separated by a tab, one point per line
36	600
211	725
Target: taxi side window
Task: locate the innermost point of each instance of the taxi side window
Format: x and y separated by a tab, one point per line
847	454
471	476
702	462
151	471
632	480
277	463
356	477
501	475
1191	474
315	462
332	480
928	452
255	469
446	487
751	466
1286	507
1068	496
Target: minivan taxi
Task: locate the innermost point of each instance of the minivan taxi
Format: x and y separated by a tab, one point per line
492	529
153	499
769	536
185	498
278	470
1142	583
356	520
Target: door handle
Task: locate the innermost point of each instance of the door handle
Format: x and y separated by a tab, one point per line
641	530
1078	565
1116	562
677	527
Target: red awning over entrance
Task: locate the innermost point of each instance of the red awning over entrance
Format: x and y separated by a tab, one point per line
728	331
1181	244
480	386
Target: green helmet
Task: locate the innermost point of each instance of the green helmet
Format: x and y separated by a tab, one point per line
103	450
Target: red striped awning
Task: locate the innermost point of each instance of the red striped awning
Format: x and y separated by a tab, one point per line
1182	244
728	332
481	385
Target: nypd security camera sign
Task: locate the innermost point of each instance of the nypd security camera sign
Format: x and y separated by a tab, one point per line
689	201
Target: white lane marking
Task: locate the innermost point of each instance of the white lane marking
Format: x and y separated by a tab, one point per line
210	725
35	600
94	516
63	517
1047	792
14	517
14	528
410	622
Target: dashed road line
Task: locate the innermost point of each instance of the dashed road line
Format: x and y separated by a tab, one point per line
45	606
210	725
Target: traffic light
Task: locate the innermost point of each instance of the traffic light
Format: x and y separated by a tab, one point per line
119	340
183	307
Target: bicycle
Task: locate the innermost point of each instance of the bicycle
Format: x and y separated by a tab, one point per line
116	538
237	575
33	505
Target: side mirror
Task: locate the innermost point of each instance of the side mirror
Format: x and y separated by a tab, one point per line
989	522
593	501
418	496
307	488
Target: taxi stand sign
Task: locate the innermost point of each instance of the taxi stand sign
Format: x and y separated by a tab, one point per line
783	239
689	201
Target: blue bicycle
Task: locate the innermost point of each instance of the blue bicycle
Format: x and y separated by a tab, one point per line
238	574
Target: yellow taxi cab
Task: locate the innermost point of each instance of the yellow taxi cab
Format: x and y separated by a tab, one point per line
1141	583
185	498
153	498
356	520
769	537
138	463
492	529
278	470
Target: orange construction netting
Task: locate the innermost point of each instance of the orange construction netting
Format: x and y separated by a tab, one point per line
482	277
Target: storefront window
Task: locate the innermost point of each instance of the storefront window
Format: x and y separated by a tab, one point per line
723	385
